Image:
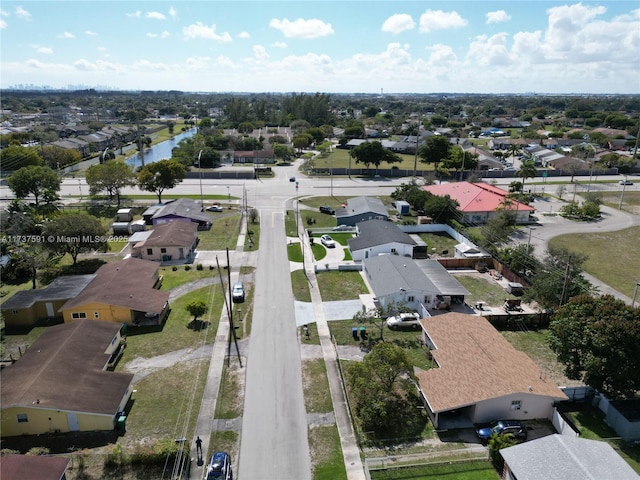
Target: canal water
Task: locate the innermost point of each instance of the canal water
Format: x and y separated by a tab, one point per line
160	151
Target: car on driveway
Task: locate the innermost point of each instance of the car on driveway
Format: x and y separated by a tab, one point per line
327	241
219	467
214	208
327	210
406	320
502	427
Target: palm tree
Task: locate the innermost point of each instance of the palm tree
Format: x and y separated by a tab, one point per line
514	149
527	170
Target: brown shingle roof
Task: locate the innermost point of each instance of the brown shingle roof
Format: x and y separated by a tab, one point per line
25	467
179	234
128	283
476	363
63	370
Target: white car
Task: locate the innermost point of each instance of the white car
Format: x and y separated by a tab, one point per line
625	182
327	241
404	321
214	208
340	228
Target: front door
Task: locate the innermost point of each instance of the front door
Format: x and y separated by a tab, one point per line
181	252
49	307
72	421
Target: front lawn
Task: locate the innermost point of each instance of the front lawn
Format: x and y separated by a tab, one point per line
223	233
472	470
340	285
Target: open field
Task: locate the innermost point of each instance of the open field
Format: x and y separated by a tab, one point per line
611	256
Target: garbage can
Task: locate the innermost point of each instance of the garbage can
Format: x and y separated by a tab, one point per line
354	333
121	423
363	333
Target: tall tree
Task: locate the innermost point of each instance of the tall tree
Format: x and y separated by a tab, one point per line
373	153
75	233
33	180
158	176
527	170
598	341
435	150
15	157
111	177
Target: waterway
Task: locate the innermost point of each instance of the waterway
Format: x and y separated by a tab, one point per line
160	151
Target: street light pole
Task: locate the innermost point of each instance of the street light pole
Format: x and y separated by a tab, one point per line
462	169
635	294
200	169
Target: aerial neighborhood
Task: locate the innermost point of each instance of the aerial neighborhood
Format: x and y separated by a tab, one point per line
402	286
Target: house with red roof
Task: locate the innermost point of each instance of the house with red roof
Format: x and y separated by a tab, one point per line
479	202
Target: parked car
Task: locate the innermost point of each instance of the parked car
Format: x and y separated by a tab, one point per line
502	427
625	182
215	208
340	228
327	241
219	467
404	321
292	179
327	210
238	292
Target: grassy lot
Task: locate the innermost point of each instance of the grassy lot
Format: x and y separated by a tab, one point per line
173	278
316	386
612	256
300	286
147	342
336	201
294	252
591	425
630	201
340	285
326	453
441	241
223	232
231	393
473	470
252	239
290	224
407	339
483	289
339	158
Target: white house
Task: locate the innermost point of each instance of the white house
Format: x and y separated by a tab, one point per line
172	242
377	237
478	376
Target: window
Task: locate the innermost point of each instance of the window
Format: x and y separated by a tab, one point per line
14	312
149	251
411	298
393	250
163	250
22	418
96	314
427	299
516	404
78	315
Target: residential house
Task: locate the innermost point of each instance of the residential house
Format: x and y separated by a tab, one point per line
480	377
26	307
121	292
377	237
254	156
563	457
167	243
27	467
182	209
480	202
419	285
61	383
359	209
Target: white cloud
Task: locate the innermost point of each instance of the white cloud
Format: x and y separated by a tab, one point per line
102	49
66	35
227	63
3	24
489	51
199	30
85	65
165	34
260	54
22	13
44	50
498	16
155	15
146	65
152	35
442	55
398	22
198	63
90	32
243	35
279	45
439	20
301	28
172	12
4	13
135	14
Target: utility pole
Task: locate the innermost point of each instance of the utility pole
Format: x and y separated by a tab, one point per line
200	169
567	279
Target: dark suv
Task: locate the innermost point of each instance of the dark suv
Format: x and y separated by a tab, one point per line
327	210
502	427
219	467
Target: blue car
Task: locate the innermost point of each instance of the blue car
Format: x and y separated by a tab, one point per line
503	427
219	467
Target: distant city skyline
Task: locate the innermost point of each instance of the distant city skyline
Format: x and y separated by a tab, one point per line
503	47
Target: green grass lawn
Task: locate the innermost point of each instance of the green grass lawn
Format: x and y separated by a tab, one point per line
172	279
316	386
294	252
483	290
471	470
611	256
340	285
441	241
300	286
326	453
339	158
223	233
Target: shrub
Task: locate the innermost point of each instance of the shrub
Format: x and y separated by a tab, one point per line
199	267
174	269
187	268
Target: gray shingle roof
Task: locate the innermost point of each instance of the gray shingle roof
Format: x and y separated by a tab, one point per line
378	232
387	274
562	457
61	288
183	207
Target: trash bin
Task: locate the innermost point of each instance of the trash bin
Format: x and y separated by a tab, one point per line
354	333
121	423
363	333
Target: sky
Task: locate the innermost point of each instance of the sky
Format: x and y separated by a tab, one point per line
357	46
